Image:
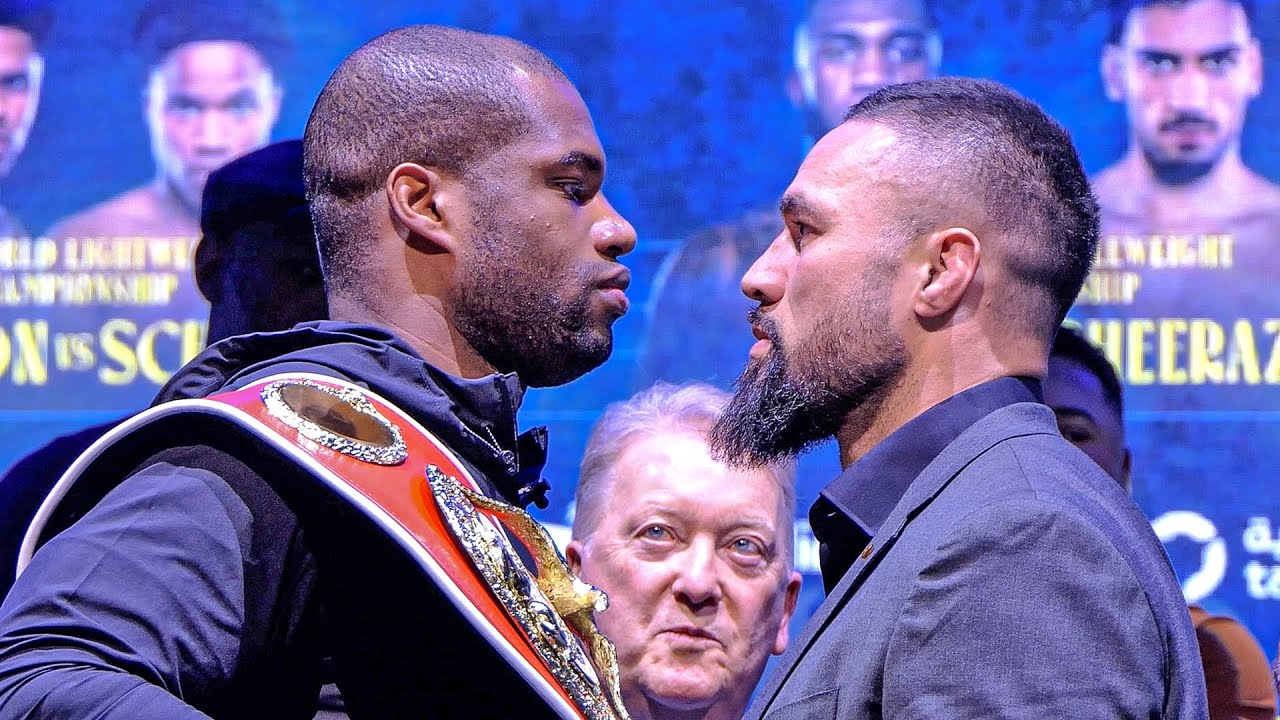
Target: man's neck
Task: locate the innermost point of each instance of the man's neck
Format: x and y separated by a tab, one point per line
1138	190
171	202
419	321
925	384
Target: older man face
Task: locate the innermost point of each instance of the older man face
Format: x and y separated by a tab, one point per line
695	557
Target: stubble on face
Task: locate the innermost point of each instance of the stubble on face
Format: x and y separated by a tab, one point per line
525	313
1184	165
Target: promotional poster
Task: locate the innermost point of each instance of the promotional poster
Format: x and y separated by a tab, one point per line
705	110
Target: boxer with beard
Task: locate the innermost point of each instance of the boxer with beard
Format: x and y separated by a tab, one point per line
933	243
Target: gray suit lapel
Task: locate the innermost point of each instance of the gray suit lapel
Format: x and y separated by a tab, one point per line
1008	422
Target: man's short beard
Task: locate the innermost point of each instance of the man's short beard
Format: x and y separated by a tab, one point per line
779	410
511	314
1180	172
1175	171
545	342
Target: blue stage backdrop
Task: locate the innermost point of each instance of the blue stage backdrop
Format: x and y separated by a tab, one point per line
690	101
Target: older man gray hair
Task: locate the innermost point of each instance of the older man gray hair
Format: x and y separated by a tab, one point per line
696	556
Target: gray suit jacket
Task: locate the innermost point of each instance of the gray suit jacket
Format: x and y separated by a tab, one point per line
1013	580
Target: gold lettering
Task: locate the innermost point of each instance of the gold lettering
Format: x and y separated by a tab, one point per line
115	348
1108	253
148	289
1206	344
1164	252
6	351
62	351
46	254
161	253
27	254
9	293
172	252
1180	254
105	253
32	341
1109	287
1109	335
1242	357
186	258
147	360
1207	251
39	289
1136	370
1168	351
82	354
1135	252
1272	373
1157	251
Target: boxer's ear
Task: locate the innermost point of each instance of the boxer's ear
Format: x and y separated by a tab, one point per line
428	204
947	271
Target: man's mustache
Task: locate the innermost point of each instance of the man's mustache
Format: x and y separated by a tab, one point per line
1189	121
765	324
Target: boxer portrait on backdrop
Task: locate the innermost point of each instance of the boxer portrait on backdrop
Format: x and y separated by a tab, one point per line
211	94
1186	72
24	28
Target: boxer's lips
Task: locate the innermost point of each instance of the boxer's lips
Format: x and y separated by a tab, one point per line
763	341
614	290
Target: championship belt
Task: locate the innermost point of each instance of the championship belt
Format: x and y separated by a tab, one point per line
409	484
